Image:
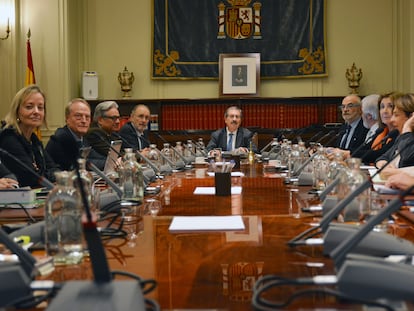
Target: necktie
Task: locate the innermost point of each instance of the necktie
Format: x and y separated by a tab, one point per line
139	143
230	142
345	137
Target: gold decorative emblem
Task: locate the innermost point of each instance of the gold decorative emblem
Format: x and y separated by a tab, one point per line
239	21
313	61
165	64
353	75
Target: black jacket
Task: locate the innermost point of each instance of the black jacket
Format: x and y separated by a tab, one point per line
31	154
64	149
130	137
219	139
358	137
405	145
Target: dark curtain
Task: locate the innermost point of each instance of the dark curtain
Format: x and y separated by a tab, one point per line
288	34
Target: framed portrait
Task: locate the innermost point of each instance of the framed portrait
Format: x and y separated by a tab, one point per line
239	74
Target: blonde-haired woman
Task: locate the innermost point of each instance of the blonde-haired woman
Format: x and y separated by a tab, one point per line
27	113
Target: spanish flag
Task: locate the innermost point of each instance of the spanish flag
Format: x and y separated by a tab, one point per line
30	76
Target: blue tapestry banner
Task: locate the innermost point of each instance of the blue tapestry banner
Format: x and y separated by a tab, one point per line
189	36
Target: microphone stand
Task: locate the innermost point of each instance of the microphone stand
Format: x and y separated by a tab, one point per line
187	162
334	212
340	252
144	158
42	180
268	145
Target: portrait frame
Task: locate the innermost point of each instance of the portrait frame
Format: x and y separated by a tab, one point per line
239	74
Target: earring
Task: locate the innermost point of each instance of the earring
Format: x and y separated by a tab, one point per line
18	120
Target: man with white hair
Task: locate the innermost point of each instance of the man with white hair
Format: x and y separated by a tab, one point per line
370	117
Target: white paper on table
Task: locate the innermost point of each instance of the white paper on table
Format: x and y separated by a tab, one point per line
206	223
233	174
212	190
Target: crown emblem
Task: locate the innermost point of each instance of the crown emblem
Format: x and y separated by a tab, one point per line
239	2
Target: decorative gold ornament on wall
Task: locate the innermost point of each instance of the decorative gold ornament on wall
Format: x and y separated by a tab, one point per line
126	79
353	75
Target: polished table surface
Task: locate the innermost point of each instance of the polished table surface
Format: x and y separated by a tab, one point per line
216	270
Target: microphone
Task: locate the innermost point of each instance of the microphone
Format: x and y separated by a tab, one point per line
334	212
172	165
152	165
274	140
164	169
101	293
41	179
16	276
331	132
315	136
296	174
334	138
203	151
187	161
101	174
340	252
369	141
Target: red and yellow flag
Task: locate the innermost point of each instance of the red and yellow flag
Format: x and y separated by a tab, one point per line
30	76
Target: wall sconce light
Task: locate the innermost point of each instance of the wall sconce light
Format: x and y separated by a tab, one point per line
7	31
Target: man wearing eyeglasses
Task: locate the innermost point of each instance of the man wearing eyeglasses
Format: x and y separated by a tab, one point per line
106	120
65	144
353	131
135	131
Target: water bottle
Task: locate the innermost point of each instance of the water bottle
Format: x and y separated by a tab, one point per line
200	148
320	169
359	208
63	227
131	178
167	152
189	149
178	149
154	156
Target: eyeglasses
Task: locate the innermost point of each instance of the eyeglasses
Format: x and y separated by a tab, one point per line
350	106
113	118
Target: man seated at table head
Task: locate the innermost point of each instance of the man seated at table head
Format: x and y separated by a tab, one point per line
65	144
233	137
106	123
353	131
135	131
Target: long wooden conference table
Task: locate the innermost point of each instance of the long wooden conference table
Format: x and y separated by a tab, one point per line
216	270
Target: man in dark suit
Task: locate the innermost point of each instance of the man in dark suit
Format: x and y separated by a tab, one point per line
135	131
353	131
106	120
65	144
233	137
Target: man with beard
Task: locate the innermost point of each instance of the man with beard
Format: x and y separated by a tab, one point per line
353	131
135	131
233	137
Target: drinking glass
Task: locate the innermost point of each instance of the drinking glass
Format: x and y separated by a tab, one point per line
153	206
